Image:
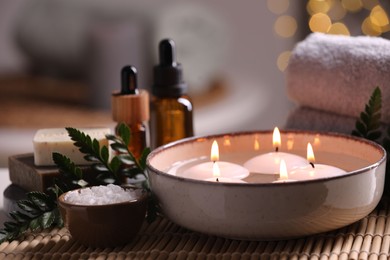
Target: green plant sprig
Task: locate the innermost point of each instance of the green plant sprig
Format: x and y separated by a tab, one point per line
134	166
40	210
368	126
96	154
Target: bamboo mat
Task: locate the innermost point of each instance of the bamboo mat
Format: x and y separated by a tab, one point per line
368	238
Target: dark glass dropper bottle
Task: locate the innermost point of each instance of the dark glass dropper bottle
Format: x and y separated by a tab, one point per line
172	107
131	106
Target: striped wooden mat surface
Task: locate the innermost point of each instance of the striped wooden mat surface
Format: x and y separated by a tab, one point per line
368	238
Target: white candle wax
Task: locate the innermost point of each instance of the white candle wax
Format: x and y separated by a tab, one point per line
315	171
269	163
319	171
283	173
204	171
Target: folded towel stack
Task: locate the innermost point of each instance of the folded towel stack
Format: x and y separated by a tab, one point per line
331	78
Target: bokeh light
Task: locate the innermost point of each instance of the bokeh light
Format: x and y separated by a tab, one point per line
352	5
283	59
369	4
286	26
368	28
339	17
278	6
318	6
379	17
337	11
320	22
339	28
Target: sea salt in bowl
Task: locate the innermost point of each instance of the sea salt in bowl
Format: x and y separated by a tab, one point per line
103	216
261	209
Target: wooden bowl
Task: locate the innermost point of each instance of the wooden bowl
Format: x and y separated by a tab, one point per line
108	225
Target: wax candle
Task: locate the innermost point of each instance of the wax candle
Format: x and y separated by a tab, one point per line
315	171
217	176
205	171
283	173
269	163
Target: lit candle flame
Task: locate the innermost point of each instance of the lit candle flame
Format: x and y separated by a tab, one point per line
276	140
283	175
216	170
310	154
214	152
256	145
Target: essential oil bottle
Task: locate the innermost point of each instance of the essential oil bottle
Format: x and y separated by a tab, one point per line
131	106
172	109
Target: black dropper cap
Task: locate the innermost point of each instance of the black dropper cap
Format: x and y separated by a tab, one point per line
129	80
168	75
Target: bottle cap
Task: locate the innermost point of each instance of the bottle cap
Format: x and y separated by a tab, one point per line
168	75
130	104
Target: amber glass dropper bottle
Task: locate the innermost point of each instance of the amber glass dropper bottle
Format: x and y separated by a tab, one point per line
172	108
131	106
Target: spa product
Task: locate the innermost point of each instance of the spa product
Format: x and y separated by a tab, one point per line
172	115
337	73
100	195
25	174
110	224
131	106
47	141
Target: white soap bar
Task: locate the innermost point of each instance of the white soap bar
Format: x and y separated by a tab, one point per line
47	141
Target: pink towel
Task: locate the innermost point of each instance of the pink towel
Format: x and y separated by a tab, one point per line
338	73
303	118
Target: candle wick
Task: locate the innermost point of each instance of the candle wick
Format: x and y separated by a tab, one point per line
276	149
217	180
312	165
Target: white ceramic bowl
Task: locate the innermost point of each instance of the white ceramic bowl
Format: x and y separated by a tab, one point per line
265	211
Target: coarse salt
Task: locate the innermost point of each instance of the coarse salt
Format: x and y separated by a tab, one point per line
100	195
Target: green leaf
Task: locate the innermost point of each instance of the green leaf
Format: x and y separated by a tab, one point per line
9	226
39	198
113	138
100	167
361	128
131	172
367	126
96	146
47	219
104	153
19	217
125	159
374	135
67	167
115	164
34	224
144	155
119	147
28	206
124	133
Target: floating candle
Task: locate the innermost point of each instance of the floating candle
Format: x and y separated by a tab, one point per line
205	171
315	171
283	173
217	176
269	163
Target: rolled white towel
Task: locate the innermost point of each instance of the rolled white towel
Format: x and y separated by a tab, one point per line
338	73
304	118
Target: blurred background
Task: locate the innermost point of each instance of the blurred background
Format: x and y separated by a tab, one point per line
60	60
